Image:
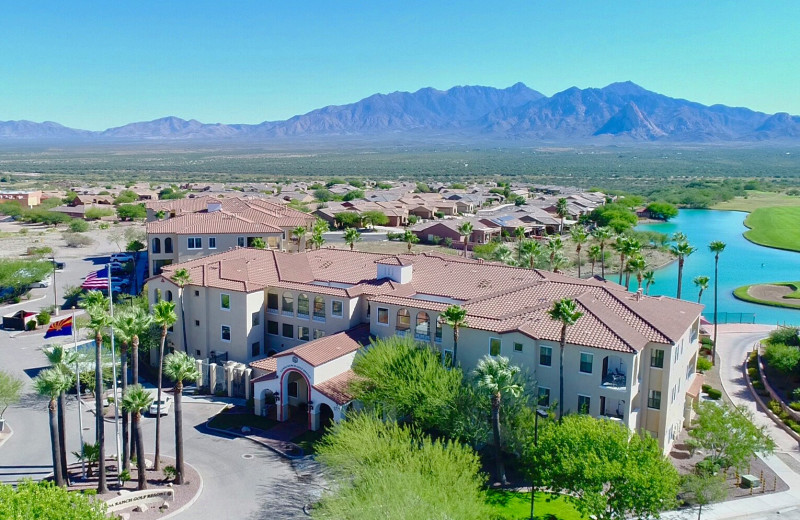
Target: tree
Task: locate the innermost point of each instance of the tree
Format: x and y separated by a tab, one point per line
181	278
638	266
649	278
410	238
728	435
179	367
716	247
10	391
46	501
382	468
347	219
375	218
90	454
503	254
50	383
680	251
99	320
554	245
353	195
134	401
163	316
579	237
704	489
299	233
662	210
456	317
61	361
496	376
131	212
351	236
558	262
566	312
602	235
318	233
702	284
258	243
407	379
531	250
562	210
607	472
465	230
594	255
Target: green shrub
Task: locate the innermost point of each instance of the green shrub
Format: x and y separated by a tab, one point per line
796	394
43	318
714	394
706	388
758	385
170	472
707	341
752	372
782	357
78	226
775	407
795	405
785	336
448	242
703	364
31	325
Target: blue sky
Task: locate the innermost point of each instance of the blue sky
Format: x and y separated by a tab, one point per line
93	65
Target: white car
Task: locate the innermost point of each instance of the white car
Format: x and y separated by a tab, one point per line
42	283
122	257
166	404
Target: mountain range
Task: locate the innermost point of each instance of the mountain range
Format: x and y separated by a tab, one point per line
620	111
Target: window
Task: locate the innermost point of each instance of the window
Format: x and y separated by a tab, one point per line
255	319
657	358
197	353
197	293
240	241
517	347
168	296
403	320
195	243
168	245
255	349
212	242
584	404
287	304
586	363
292	389
303	333
494	346
196	323
302	306
439	323
272	327
546	356
156	246
422	330
654	399
225	301
319	308
272	302
318	333
383	316
288	330
226	333
337	308
544	396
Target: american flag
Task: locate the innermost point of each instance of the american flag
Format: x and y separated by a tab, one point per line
96	280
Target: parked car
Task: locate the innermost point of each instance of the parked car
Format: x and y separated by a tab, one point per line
166	404
117	267
42	283
122	257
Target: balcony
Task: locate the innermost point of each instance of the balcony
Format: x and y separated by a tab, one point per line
615	373
614	380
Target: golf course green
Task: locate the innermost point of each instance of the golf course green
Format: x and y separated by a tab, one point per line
777	227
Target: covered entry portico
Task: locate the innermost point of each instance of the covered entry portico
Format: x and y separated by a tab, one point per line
310	379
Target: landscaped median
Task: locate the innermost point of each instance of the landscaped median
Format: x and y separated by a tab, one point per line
774	227
775	294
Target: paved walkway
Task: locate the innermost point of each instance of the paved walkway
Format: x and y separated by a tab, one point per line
735	342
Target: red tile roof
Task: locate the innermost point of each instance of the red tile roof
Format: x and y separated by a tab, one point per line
328	348
337	388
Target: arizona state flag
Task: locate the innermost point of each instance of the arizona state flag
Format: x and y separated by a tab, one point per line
60	328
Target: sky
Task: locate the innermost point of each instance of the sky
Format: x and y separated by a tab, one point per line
95	65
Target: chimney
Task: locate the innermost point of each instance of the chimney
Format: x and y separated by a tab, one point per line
639	294
396	270
214	206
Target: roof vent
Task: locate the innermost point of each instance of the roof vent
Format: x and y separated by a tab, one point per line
639	294
214	206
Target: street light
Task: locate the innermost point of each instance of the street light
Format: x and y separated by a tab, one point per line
55	285
539	413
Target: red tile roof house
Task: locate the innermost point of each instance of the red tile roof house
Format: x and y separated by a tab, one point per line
630	358
192	228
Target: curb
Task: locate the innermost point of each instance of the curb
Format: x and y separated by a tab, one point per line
191	502
272	448
10	434
764	408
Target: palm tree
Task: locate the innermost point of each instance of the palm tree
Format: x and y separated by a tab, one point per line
678	237
632	248
351	236
649	279
532	250
129	323
638	266
702	283
465	230
410	238
134	401
566	312
50	383
299	232
181	278
164	316
602	235
519	234
681	250
715	247
594	255
317	233
179	367
562	210
90	453
456	317
621	245
99	320
503	254
61	361
558	262
497	377
554	245
579	237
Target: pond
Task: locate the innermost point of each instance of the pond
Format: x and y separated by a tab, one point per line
741	263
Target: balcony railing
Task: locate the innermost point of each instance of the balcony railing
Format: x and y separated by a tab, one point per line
615	380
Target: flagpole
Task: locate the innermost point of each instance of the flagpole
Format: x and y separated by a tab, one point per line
78	387
114	372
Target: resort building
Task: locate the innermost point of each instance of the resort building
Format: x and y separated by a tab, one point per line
299	319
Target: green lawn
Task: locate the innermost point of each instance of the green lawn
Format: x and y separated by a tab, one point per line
742	294
225	420
511	505
758	199
308	439
777	227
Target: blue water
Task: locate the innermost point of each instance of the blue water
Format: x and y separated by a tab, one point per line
741	263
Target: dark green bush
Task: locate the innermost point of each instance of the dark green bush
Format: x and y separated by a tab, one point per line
782	357
785	336
703	364
31	325
714	394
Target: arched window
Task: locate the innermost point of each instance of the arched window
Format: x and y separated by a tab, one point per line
403	320
439	322
169	296
287	304
156	245
423	328
319	308
168	245
302	306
